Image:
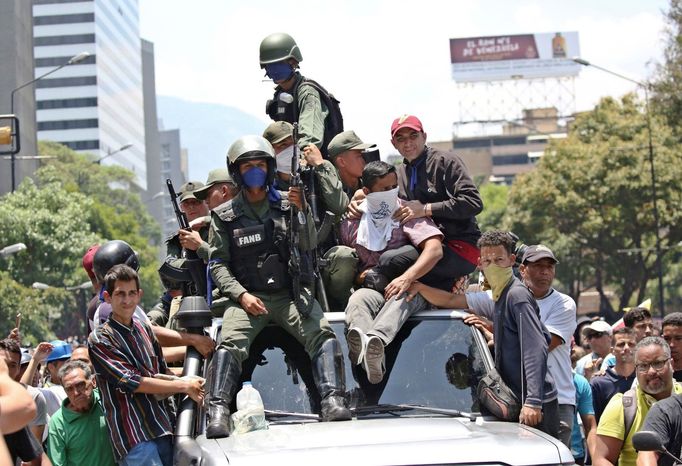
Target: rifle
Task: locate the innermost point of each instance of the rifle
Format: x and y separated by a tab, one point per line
194	265
299	264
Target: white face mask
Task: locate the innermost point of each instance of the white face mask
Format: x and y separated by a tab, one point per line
381	204
283	159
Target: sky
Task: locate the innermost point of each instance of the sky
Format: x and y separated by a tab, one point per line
384	58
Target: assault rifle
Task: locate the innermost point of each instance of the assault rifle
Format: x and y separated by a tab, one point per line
194	270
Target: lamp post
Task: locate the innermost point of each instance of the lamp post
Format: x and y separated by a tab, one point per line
654	197
12	249
72	61
109	154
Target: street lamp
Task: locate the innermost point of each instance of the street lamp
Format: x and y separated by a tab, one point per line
12	249
72	61
645	86
109	154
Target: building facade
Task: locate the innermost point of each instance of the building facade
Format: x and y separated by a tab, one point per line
173	167
97	105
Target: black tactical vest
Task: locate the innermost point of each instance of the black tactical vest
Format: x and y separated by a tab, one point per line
258	250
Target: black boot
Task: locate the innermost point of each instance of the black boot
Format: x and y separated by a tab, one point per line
330	379
224	377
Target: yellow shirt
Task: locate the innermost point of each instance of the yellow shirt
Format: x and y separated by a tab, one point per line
612	422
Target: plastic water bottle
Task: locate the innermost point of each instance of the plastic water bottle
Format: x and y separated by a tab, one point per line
250	413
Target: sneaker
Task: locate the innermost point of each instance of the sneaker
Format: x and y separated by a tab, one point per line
356	347
374	359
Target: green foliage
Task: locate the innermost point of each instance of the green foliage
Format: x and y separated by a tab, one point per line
72	204
667	84
590	199
495	201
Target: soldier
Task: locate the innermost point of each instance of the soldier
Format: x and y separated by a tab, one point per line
248	262
341	261
316	110
195	240
219	188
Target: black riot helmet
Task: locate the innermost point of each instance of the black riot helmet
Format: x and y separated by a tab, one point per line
113	253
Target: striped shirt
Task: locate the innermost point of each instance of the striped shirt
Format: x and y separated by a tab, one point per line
122	356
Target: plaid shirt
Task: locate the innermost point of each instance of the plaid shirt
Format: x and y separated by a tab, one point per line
122	356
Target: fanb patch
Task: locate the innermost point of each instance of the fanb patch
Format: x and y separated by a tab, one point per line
249	236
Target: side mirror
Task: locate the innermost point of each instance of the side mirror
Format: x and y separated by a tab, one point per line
647	441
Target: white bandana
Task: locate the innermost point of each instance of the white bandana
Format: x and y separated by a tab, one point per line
284	159
376	224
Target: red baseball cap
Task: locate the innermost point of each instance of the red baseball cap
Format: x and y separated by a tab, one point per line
406	121
88	259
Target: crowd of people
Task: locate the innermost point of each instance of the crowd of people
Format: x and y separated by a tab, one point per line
275	246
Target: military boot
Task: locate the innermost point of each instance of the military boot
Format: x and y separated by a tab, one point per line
330	378
224	377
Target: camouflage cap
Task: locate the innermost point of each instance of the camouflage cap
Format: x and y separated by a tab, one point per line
187	190
219	175
278	131
342	142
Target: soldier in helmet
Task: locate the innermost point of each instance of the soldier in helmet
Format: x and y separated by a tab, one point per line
248	262
194	240
315	110
341	261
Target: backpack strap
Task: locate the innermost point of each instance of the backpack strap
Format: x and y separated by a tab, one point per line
629	410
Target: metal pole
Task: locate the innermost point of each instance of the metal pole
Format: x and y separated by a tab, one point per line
654	197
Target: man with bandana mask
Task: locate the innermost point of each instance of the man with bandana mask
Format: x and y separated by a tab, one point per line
374	319
317	123
521	340
249	264
341	261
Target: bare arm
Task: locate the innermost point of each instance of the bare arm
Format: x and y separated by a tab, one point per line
647	458
168	337
431	253
590	426
16	404
439	298
606	450
192	387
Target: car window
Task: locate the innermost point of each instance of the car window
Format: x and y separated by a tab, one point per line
433	362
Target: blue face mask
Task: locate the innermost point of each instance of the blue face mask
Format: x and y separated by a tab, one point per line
280	71
254	177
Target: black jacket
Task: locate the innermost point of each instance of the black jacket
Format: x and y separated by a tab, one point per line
443	181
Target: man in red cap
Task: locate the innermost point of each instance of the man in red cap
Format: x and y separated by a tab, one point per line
437	184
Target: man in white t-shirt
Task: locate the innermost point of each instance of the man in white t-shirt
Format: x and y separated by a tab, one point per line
557	313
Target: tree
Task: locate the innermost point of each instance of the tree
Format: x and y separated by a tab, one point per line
494	198
590	199
667	84
72	204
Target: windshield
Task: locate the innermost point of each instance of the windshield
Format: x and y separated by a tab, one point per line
434	362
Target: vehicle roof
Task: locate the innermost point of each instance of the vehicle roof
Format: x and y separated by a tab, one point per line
456	314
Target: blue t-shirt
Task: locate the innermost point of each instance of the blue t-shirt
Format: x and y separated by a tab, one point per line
583	403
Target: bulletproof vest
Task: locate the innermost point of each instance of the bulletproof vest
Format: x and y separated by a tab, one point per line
333	124
258	250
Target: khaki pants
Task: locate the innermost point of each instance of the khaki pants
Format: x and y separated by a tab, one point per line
240	328
339	274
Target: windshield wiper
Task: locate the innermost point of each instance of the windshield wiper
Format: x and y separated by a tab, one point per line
389	408
269	413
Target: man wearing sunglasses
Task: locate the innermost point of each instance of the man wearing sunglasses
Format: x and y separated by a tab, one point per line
653	366
598	335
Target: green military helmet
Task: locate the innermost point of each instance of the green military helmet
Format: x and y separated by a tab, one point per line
248	148
277	47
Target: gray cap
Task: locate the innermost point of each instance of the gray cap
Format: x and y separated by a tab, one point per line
187	190
217	176
278	132
342	142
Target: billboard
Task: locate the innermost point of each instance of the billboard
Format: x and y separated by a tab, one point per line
495	58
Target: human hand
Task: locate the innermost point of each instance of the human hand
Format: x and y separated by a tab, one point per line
591	367
195	388
312	155
295	197
482	324
401	214
203	344
530	416
415	209
413	290
398	286
353	211
15	335
42	351
190	239
252	304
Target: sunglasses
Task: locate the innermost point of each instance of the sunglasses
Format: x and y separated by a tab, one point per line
596	335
